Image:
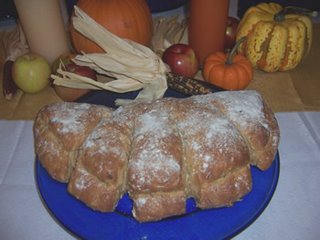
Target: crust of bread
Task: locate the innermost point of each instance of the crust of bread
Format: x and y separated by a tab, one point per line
154	207
99	178
160	152
59	131
226	190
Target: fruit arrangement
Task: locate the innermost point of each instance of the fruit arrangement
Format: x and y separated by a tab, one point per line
119	47
181	64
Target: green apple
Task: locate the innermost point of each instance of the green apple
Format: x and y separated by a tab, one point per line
31	72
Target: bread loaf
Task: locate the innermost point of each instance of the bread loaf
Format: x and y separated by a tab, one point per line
60	130
160	152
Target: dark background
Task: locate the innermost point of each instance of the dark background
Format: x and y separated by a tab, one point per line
8	11
243	5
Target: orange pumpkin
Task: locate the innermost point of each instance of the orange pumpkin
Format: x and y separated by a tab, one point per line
130	19
228	71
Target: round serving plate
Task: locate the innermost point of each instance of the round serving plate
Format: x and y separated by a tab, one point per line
219	223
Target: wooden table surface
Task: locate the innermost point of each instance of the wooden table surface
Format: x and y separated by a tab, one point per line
294	90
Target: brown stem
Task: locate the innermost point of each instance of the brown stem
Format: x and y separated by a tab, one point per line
280	16
233	51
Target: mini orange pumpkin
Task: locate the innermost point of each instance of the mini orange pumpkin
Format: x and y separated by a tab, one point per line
130	19
228	71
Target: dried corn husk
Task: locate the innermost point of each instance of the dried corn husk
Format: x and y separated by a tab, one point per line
15	44
167	31
132	65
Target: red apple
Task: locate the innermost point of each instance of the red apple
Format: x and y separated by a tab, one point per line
231	32
71	94
181	59
31	72
81	70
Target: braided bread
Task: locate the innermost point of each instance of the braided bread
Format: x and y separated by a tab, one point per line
160	152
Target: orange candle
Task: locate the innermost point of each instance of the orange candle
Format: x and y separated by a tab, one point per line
43	25
207	26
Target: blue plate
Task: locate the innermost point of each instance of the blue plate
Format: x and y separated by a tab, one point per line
199	224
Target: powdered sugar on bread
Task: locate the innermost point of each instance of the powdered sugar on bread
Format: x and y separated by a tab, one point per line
161	152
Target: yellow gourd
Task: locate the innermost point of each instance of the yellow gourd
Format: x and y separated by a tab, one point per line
278	38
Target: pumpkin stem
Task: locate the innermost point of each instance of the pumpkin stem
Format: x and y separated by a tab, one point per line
280	16
234	50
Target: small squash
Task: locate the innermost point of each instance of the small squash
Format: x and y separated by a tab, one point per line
129	19
278	38
229	71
